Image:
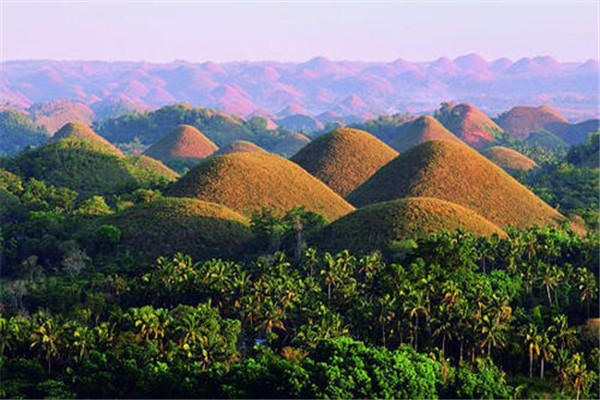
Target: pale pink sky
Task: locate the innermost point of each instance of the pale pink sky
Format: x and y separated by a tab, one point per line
199	31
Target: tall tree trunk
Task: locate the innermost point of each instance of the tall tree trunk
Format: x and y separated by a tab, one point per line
460	351
530	363
444	346
542	369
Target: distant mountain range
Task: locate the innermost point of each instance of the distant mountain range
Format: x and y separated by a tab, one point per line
321	88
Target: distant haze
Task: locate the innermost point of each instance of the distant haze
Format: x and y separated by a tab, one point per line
163	32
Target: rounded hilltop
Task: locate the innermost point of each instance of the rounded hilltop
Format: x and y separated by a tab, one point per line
167	225
239	146
454	172
80	131
344	158
379	225
182	143
247	182
469	124
509	159
420	130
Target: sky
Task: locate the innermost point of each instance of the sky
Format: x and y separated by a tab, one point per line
297	31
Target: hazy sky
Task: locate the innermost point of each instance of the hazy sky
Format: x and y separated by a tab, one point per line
200	31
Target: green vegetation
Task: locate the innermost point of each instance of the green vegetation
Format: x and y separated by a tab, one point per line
384	127
456	173
109	289
384	226
154	228
88	166
18	132
344	158
220	128
247	182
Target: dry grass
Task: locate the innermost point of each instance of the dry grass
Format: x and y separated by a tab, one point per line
246	182
421	130
168	225
378	225
182	143
454	172
239	146
470	124
509	159
344	158
520	121
79	130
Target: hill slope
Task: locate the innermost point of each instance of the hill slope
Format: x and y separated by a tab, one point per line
376	226
509	159
239	146
456	173
420	130
88	166
469	123
80	131
246	182
344	158
182	143
168	225
520	121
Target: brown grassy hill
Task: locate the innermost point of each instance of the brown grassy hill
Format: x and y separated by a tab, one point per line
454	172
520	121
469	123
168	225
509	159
344	158
239	146
182	143
376	226
420	130
246	182
79	130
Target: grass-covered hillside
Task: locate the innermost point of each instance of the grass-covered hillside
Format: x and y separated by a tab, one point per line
456	173
469	123
200	229
247	182
380	226
420	130
344	158
508	159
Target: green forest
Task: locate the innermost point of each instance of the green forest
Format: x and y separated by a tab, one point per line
112	289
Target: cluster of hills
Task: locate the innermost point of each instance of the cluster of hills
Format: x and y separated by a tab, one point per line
320	89
446	171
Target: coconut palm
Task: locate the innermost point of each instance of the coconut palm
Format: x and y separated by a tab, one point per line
46	337
533	342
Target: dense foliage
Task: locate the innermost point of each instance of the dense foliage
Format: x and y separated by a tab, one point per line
149	127
445	315
17	132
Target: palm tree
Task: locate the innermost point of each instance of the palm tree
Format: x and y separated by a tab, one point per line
492	334
444	326
415	306
550	279
46	337
385	315
533	341
579	374
587	286
563	333
451	291
547	351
